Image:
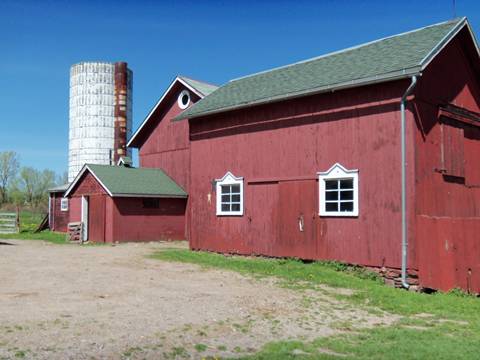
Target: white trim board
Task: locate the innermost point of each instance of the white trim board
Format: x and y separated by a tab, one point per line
145	121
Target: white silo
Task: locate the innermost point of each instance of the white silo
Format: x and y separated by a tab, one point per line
100	114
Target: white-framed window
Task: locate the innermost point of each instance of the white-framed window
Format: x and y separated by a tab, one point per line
64	204
229	191
338	191
183	99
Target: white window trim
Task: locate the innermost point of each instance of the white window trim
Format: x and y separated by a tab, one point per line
338	172
64	204
181	105
228	179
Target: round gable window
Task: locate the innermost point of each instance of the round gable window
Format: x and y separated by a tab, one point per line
184	99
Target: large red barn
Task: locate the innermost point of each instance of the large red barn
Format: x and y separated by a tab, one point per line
366	156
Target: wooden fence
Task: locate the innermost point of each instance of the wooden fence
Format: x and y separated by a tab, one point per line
9	223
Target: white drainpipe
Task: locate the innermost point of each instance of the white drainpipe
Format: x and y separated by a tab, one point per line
404	183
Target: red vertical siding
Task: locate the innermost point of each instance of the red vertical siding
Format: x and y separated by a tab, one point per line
447	172
285	145
87	185
126	219
167	144
75	209
296	219
96	218
132	222
452	148
58	219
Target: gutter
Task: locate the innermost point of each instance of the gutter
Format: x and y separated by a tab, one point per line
377	79
404	182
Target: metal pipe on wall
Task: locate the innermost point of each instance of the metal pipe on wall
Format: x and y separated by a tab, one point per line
404	182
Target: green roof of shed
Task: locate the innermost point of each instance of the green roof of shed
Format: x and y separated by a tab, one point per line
386	59
126	181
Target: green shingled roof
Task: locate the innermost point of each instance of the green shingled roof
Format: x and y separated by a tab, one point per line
202	87
60	188
382	60
125	181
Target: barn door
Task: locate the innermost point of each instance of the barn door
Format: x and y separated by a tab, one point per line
96	219
297	214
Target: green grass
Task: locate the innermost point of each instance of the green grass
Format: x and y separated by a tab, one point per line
426	338
29	222
200	347
49	236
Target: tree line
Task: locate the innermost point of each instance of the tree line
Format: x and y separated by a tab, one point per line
25	185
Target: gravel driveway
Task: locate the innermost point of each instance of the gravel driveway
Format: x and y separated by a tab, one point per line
113	302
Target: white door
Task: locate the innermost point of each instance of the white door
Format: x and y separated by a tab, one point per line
85	218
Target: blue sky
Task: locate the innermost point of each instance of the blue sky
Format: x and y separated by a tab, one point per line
208	40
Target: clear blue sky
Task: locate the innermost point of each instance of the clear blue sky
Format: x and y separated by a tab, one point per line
211	41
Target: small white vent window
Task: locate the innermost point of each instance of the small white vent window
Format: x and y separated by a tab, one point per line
229	191
338	192
183	99
64	204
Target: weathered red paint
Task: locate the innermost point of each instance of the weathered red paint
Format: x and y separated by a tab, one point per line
97	218
88	185
75	209
447	174
133	222
125	219
278	148
58	219
166	144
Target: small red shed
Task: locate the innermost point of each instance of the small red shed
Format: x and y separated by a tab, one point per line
120	203
58	209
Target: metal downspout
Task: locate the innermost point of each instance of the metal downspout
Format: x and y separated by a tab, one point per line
404	182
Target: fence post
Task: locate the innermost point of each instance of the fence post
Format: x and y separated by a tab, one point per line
17	220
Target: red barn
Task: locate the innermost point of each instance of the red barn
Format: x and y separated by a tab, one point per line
120	203
163	143
367	156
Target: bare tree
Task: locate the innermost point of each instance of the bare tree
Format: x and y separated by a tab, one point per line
9	164
62	179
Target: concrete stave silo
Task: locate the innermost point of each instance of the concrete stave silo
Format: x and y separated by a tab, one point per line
100	116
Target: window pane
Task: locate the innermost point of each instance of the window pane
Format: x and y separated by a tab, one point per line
346	195
331	207
225	189
331	184
235	207
331	195
225	198
346	184
235	198
235	188
225	207
346	206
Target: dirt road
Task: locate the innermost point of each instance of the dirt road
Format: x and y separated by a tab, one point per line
113	302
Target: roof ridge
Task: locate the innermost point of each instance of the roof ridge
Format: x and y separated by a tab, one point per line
200	81
347	49
123	167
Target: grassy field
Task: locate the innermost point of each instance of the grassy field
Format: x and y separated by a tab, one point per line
29	222
436	326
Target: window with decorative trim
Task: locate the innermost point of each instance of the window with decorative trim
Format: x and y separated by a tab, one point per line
64	204
229	191
338	192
